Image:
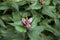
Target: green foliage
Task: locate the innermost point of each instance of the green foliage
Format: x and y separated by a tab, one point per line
44	26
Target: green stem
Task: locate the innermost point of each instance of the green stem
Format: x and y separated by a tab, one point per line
26	35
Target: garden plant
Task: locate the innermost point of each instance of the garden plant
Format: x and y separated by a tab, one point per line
29	19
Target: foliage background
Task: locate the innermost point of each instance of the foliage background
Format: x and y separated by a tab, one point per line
45	24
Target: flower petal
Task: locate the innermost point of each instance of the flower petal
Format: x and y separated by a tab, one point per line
23	20
30	20
28	25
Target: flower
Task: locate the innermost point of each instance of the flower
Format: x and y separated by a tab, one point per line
27	23
42	1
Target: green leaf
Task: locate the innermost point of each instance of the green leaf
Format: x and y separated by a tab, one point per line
2	23
20	28
6	17
11	35
55	2
49	10
15	5
44	37
22	2
57	22
17	0
51	29
35	6
34	33
16	23
58	8
36	19
24	14
16	16
3	6
47	2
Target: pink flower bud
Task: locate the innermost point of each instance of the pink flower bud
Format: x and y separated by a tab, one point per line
30	20
23	20
27	24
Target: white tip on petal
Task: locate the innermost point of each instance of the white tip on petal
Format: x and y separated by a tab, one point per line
24	20
30	20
